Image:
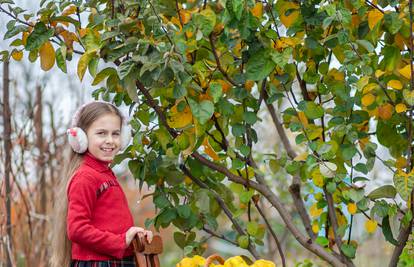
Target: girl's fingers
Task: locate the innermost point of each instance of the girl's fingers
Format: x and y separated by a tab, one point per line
149	236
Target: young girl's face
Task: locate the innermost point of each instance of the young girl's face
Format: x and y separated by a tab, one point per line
104	137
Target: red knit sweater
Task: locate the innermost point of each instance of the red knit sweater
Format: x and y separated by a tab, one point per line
98	213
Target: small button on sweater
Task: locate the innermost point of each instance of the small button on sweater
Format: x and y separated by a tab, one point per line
98	213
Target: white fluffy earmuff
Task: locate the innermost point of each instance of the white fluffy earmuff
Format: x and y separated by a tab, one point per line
79	141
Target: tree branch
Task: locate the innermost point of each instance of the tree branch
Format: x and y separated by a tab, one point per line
223	206
212	38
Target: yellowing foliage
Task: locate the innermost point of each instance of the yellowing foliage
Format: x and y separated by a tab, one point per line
17	55
209	150
177	119
371	226
47	56
374	16
385	111
367	99
395	84
293	15
69	10
352	208
257	10
314	211
400	108
406	71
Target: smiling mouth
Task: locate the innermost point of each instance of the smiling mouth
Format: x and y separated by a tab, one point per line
107	149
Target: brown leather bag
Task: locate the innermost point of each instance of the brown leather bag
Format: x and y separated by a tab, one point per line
146	255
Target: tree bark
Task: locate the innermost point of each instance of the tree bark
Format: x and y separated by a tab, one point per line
7	160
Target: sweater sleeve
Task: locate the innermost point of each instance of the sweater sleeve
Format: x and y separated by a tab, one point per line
81	200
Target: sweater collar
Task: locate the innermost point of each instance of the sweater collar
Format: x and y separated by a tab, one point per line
93	162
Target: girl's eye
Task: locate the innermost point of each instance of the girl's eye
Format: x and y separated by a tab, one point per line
101	133
116	134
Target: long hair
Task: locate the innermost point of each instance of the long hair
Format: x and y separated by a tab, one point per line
61	245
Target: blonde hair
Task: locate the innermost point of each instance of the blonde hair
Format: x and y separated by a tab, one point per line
61	245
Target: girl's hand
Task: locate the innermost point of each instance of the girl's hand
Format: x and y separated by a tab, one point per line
130	234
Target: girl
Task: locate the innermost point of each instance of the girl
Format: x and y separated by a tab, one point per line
94	226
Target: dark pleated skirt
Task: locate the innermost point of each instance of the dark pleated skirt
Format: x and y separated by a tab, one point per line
125	262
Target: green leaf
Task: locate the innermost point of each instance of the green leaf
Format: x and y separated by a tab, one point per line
385	191
366	44
386	230
392	22
392	57
184	211
348	250
103	74
201	111
215	91
125	68
14	31
250	117
408	96
237	164
236	6
66	19
322	241
252	228
404	183
180	239
243	241
61	58
259	66
38	36
205	21
312	110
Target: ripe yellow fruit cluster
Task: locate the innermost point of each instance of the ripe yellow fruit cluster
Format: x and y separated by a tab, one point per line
237	261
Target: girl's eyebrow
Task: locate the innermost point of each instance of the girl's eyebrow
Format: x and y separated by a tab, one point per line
105	130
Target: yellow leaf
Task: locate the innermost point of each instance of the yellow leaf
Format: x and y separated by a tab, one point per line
257	10
352	208
401	162
83	32
336	74
401	107
406	71
374	16
262	263
69	10
249	85
185	16
371	226
292	8
301	157
225	86
317	178
177	119
24	37
385	111
17	55
314	211
315	227
83	63
379	73
370	87
303	119
395	84
367	99
47	56
209	150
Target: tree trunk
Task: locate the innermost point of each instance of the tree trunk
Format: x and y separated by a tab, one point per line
7	160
